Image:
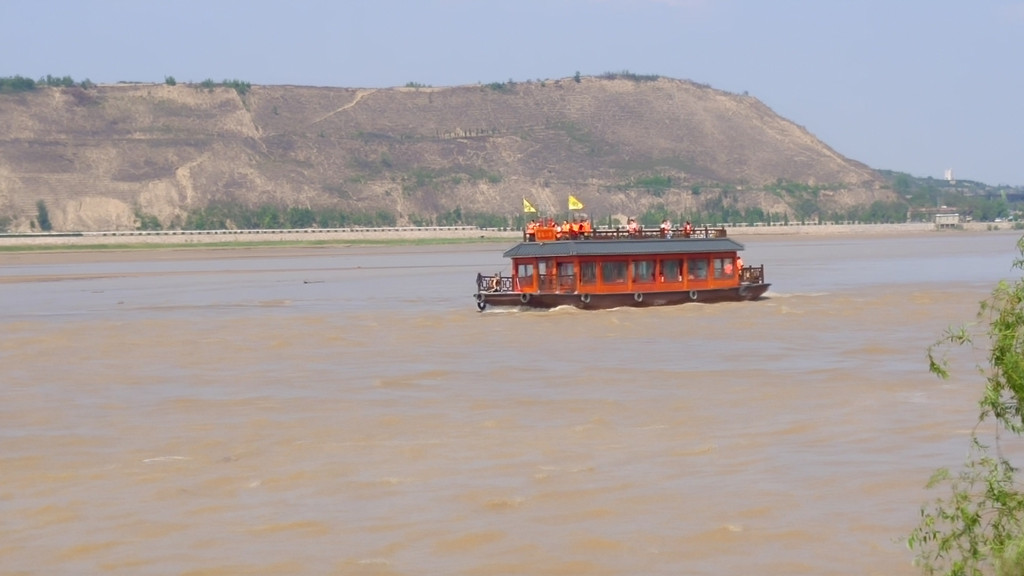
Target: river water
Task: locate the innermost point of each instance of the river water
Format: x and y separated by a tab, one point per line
347	410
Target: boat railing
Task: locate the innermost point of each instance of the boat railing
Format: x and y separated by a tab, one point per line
752	275
495	283
548	234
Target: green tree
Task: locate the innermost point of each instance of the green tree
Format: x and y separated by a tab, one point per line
300	217
885	213
979	527
16	84
901	184
241	87
64	81
43	216
146	221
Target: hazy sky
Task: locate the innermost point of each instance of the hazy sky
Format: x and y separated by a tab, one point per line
917	86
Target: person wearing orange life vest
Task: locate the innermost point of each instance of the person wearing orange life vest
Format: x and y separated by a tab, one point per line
585	228
631	228
687	229
531	231
739	266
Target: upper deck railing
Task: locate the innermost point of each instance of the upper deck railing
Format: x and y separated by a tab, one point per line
548	234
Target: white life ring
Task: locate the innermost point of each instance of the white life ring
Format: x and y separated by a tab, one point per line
639	297
693	294
479	297
524	298
585	298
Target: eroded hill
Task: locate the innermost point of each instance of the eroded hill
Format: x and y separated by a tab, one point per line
101	158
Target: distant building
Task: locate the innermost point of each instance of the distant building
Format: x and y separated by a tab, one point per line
948	220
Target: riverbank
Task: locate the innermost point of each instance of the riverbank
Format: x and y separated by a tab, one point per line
408	235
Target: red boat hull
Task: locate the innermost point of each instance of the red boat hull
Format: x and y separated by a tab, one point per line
586	301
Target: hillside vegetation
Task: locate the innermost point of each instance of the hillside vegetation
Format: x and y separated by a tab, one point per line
229	154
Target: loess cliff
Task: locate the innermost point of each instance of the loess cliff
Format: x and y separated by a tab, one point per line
100	158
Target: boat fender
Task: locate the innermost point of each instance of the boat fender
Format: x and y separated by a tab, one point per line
693	294
639	297
481	305
524	298
743	290
479	298
585	298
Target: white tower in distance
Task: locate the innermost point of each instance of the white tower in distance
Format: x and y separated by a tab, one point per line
949	175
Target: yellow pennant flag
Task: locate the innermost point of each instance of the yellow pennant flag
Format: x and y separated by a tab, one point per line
575	204
527	207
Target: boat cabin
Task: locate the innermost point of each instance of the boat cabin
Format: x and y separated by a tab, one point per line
597	267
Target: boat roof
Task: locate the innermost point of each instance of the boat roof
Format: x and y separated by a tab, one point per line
622	247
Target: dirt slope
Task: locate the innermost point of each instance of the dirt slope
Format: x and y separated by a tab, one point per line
100	157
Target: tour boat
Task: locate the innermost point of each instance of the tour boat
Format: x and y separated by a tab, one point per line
604	269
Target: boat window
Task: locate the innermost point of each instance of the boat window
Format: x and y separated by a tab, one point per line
588	272
698	270
566	270
723	267
524	271
671	270
613	272
643	271
566	277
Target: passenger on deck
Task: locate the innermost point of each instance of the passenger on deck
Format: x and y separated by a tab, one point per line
531	231
687	229
632	229
495	283
585	228
739	266
666	228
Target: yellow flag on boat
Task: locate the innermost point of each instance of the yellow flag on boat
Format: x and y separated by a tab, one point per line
575	204
527	207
